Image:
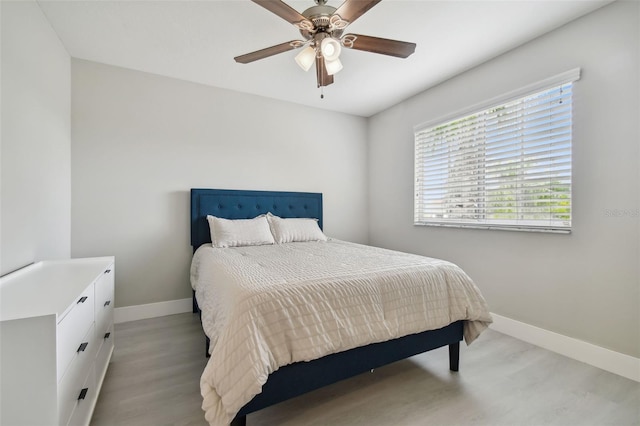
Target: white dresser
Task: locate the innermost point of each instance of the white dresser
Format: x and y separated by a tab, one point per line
56	340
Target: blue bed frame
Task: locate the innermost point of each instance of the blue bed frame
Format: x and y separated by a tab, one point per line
302	377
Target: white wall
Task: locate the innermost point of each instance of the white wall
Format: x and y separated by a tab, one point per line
141	141
584	285
35	139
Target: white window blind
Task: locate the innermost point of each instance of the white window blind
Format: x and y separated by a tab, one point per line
507	166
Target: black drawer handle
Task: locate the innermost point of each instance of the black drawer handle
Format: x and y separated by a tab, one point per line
107	271
82	299
83	393
106	335
83	346
107	303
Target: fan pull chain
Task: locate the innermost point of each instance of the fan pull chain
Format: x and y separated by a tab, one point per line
321	92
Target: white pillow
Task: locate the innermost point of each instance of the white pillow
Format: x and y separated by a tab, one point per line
239	232
294	229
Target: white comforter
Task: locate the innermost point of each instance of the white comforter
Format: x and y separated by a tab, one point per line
264	307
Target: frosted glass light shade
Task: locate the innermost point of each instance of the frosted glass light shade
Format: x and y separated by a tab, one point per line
330	48
333	66
306	57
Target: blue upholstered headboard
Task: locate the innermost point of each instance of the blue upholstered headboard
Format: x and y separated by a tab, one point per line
239	204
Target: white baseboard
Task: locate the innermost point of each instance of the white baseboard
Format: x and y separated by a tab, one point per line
605	359
151	310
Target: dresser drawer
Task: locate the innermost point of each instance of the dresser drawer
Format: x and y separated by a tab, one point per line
104	289
104	353
72	382
72	329
83	408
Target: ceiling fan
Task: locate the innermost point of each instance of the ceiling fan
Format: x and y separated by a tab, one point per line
321	27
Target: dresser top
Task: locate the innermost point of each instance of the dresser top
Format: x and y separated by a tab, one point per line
48	287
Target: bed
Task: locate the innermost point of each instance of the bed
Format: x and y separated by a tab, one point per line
298	377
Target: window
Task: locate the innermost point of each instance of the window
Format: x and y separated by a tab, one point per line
505	164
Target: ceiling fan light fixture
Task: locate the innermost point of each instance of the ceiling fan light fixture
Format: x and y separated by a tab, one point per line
333	67
306	57
330	48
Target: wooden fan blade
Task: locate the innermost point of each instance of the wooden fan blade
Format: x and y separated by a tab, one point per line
284	11
269	51
351	10
324	79
383	46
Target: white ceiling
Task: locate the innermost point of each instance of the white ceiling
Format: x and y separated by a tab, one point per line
197	40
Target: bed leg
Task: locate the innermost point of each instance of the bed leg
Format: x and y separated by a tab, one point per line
239	421
454	356
194	303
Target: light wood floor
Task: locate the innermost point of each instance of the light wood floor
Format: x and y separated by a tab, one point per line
153	379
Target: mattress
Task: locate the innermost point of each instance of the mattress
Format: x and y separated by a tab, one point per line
264	307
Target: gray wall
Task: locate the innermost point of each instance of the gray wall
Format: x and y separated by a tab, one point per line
584	285
35	141
141	141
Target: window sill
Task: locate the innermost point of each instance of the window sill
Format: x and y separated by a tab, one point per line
495	227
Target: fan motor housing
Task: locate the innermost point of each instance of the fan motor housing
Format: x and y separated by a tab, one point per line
320	16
